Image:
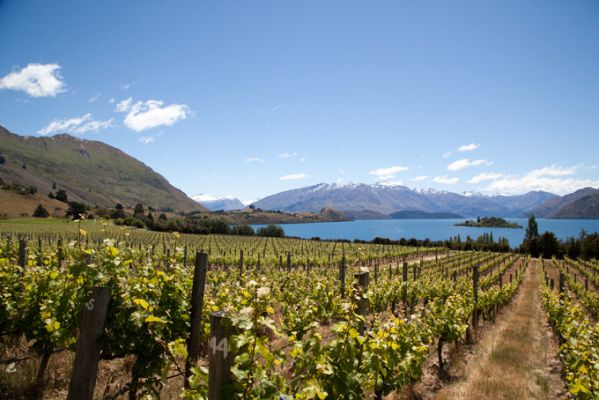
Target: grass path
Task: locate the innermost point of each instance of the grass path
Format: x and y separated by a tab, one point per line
517	358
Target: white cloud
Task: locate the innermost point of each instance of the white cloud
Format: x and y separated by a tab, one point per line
149	114
447	154
420	178
94	97
469	147
77	125
293	177
446	180
466	163
485	176
254	159
287	155
389	172
37	80
553	179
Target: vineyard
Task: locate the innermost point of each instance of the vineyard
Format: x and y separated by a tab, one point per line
226	317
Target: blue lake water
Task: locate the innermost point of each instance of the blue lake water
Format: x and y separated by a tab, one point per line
433	229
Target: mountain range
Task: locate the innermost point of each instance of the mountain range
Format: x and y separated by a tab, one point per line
384	201
224	203
89	171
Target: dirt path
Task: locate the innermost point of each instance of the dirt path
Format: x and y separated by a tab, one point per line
517	358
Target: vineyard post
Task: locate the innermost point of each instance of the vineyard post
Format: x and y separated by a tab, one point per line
475	290
280	262
562	282
510	279
552	282
258	265
219	362
40	252
405	271
241	262
185	257
376	272
87	355
288	262
22	252
362	282
500	281
59	252
415	272
197	302
342	275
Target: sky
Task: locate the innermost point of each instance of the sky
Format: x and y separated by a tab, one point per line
249	98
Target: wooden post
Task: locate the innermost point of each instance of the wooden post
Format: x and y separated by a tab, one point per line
552	282
185	256
280	262
197	303
219	359
40	253
562	282
22	253
87	356
376	272
405	271
288	262
586	283
362	279
240	262
415	272
342	276
475	292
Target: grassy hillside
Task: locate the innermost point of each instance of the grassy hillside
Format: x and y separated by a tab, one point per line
90	171
15	205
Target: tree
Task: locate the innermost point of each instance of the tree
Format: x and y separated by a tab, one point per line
76	209
2	160
532	230
548	245
51	195
53	185
40	212
271	231
162	217
61	195
243	230
119	211
138	211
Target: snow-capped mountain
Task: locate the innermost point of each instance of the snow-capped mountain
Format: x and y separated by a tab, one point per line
385	200
215	203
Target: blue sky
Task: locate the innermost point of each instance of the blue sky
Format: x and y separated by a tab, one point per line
251	98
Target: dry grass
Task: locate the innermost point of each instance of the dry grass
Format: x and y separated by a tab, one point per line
14	205
517	360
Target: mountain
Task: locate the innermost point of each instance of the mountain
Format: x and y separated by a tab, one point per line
586	207
89	171
583	203
225	203
415	214
525	202
358	199
550	207
349	197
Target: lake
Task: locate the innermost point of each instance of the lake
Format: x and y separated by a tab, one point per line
433	229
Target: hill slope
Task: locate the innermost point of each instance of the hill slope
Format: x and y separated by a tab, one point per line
89	171
584	207
551	207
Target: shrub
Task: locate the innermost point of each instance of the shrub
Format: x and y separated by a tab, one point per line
271	231
40	212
